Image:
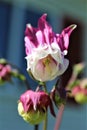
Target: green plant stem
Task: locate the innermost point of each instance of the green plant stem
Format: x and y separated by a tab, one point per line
45	122
46	116
24	79
45	87
36	127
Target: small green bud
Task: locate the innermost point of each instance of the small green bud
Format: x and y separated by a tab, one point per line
81	98
58	95
3	61
78	68
59	101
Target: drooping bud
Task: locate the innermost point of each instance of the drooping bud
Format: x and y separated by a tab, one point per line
58	95
33	106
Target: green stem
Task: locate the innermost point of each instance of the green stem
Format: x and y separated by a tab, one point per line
45	122
36	127
45	87
19	74
46	116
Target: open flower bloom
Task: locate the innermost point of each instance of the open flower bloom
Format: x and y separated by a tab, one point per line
32	106
45	50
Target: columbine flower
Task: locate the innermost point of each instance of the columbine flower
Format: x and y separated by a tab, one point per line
45	50
32	106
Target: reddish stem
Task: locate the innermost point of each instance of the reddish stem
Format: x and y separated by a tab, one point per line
59	117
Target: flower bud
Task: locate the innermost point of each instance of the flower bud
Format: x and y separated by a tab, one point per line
79	92
33	106
58	95
81	98
5	73
78	68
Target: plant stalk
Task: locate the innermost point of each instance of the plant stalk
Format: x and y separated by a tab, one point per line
36	127
46	116
59	117
45	122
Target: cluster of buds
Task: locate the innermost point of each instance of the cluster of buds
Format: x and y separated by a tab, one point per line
79	92
78	86
8	70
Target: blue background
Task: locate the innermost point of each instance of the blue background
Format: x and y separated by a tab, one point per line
13	20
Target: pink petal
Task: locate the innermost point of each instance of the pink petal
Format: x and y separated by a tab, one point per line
40	37
76	90
30	32
28	46
42	22
63	38
25	99
66	41
69	29
66	34
46	29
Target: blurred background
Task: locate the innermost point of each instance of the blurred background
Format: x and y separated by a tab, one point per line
14	15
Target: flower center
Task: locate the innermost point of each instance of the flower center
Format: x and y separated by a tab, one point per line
47	60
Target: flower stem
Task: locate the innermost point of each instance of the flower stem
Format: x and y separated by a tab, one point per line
46	116
45	87
45	122
36	127
19	74
59	117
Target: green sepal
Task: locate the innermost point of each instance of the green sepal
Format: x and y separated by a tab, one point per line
81	98
59	101
33	116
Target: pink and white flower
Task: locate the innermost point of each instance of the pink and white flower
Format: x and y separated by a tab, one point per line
45	50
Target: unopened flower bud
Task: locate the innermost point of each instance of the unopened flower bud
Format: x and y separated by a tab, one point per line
58	95
5	73
78	68
81	98
33	106
79	92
